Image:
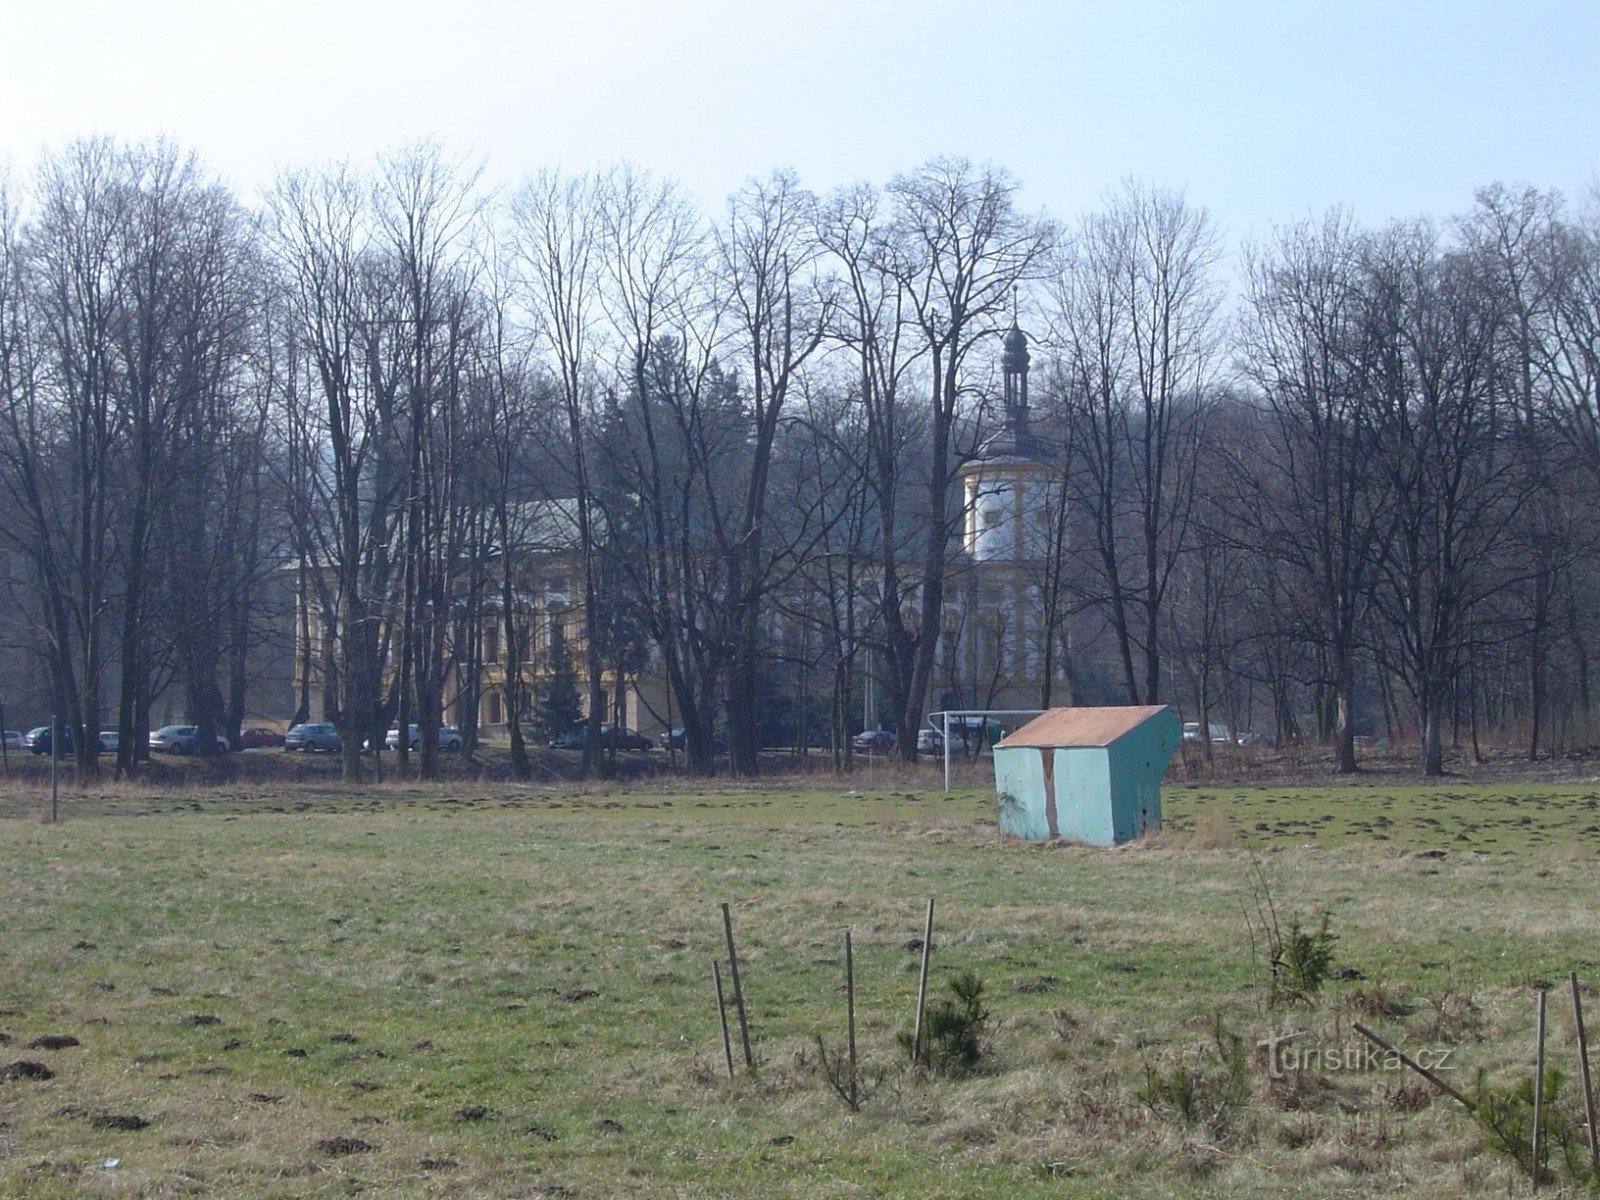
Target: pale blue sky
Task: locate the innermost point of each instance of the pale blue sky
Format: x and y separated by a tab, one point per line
1261	111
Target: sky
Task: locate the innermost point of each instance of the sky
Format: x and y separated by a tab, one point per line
1260	112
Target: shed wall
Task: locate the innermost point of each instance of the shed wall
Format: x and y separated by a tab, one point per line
1048	792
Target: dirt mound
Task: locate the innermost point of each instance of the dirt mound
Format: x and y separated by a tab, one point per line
338	1147
24	1069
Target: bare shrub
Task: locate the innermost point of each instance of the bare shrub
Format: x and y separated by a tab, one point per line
1407	1097
1374	1002
1213	830
1453	1017
1301	1132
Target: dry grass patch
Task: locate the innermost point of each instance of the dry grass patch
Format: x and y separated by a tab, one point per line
503	990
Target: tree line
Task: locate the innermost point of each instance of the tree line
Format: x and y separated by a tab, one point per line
1344	483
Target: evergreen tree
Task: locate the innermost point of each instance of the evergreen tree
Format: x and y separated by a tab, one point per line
557	701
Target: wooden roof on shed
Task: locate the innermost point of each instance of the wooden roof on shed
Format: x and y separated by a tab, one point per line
1081	726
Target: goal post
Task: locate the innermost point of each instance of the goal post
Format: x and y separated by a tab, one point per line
960	718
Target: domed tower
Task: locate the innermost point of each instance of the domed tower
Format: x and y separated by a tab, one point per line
1006	487
1014	379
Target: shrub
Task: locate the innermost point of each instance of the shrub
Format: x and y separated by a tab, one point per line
849	1081
1202	1091
954	1028
1300	959
1304	960
1506	1116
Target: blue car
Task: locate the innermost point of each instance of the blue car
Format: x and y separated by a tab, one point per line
39	741
319	736
675	739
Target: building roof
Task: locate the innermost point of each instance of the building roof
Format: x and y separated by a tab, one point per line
1081	726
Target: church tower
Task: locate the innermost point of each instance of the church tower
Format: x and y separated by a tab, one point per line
1014	376
1006	488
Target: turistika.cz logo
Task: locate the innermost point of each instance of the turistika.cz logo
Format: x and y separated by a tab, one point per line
1287	1055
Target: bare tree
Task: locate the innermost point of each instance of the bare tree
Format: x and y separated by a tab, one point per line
63	433
509	403
779	304
957	250
671	406
556	223
873	326
1513	235
1571	354
426	213
1134	314
1431	328
1319	503
833	591
352	466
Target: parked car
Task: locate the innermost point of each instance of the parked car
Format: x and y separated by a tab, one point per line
1219	734
182	739
930	741
676	739
449	738
13	739
971	732
612	737
38	741
874	741
320	735
259	735
1257	739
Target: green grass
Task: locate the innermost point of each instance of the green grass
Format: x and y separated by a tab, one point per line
382	965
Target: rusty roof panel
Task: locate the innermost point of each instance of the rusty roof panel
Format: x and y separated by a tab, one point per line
1081	726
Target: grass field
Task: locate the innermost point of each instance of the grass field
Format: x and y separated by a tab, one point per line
506	991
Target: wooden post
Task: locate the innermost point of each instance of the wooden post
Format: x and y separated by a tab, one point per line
722	1016
1583	1074
850	1009
1414	1065
55	765
922	984
738	989
1538	1093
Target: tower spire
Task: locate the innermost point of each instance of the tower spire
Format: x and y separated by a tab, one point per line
1017	436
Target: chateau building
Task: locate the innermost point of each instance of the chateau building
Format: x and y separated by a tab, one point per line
994	650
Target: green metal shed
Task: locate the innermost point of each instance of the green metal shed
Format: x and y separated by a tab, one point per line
1090	774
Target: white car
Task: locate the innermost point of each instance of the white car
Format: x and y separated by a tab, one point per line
181	739
449	738
13	739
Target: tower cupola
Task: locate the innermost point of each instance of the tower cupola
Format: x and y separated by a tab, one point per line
1007	485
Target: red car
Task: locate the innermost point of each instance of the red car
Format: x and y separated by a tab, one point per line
612	737
621	738
259	735
875	741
